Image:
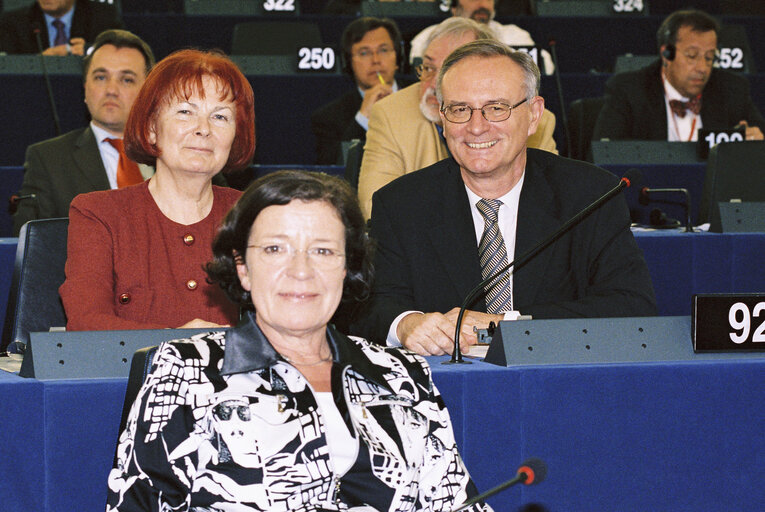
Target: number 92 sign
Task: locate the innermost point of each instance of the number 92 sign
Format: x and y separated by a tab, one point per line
728	322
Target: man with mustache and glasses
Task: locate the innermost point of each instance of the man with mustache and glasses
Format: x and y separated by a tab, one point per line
672	98
482	11
405	132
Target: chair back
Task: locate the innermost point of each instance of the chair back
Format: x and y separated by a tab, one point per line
735	172
582	116
353	162
274	37
38	272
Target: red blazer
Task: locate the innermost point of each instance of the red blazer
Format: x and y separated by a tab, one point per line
130	267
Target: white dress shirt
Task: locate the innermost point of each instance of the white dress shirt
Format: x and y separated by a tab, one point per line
508	222
679	129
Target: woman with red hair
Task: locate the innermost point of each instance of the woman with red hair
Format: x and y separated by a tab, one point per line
135	254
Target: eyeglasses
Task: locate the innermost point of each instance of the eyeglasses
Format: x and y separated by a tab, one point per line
368	53
694	55
494	112
425	71
322	258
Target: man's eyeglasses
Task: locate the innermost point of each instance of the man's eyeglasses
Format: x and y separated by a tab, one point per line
425	71
368	53
709	57
494	112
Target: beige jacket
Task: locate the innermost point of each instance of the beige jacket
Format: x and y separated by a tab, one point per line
400	140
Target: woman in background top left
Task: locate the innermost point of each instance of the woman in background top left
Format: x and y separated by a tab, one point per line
135	254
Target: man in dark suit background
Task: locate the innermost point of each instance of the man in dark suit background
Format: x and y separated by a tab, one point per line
441	229
682	92
80	22
86	159
371	53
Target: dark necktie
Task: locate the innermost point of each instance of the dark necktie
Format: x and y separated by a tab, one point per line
127	170
493	256
60	33
680	107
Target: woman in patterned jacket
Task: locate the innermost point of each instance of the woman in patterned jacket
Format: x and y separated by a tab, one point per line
285	413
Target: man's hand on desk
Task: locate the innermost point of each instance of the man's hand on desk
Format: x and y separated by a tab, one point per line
752	132
433	333
76	46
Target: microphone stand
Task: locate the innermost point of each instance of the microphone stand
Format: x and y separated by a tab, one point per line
51	99
520	261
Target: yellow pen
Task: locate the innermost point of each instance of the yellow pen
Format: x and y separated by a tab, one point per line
380	78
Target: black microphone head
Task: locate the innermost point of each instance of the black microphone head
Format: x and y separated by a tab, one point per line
643	196
632	177
535	470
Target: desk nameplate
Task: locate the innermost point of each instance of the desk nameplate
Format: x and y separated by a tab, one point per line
725	322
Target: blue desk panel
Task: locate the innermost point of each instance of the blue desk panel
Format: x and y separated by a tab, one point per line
627	437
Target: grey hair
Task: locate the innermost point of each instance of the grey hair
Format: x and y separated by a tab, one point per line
493	48
457	26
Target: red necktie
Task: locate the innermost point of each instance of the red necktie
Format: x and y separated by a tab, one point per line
680	107
127	170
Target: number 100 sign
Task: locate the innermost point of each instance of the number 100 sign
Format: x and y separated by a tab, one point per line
729	322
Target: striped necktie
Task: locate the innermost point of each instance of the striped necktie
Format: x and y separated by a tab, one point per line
493	256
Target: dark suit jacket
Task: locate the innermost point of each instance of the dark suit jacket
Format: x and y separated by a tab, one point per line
635	108
90	19
335	122
56	170
427	256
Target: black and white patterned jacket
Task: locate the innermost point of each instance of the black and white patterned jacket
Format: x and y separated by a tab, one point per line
240	430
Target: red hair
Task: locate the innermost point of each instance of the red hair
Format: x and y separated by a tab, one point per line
177	76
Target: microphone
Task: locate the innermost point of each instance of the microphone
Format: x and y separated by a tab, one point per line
630	177
564	115
532	471
15	199
644	198
51	99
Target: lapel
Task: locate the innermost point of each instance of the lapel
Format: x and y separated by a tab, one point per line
37	20
712	111
80	20
87	158
537	219
451	231
656	109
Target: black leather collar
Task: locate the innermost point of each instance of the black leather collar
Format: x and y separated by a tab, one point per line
248	349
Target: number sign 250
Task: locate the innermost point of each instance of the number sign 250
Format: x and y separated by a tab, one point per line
314	59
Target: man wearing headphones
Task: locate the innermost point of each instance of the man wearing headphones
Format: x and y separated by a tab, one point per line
672	98
371	50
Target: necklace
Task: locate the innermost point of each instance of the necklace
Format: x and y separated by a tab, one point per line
315	363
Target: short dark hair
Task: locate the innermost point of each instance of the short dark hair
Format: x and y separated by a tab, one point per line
698	21
358	28
280	188
119	39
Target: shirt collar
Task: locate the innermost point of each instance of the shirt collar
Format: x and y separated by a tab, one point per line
248	349
670	92
100	133
66	18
